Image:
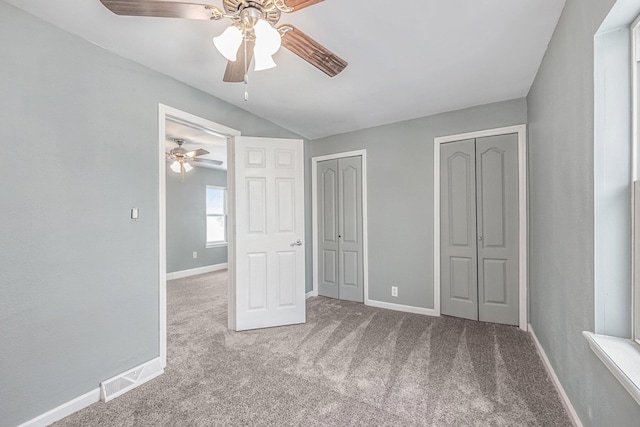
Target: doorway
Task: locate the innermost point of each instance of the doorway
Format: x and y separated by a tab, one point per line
339	199
519	136
184	121
196	196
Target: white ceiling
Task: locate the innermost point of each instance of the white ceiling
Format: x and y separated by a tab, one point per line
407	59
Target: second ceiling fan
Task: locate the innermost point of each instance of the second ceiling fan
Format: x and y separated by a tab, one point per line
252	34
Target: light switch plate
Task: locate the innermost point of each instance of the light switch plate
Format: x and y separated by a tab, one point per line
134	213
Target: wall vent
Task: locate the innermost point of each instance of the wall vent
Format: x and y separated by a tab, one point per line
120	384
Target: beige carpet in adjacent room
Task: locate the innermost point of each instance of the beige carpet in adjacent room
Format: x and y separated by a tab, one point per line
349	365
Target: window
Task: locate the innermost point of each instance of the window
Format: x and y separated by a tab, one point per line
216	215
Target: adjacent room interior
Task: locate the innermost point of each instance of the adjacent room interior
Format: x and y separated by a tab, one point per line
307	212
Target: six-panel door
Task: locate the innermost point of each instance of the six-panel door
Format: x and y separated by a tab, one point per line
269	247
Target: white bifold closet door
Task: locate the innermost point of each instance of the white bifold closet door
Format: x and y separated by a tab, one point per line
479	236
340	248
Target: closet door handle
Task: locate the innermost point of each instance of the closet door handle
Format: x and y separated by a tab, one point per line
479	237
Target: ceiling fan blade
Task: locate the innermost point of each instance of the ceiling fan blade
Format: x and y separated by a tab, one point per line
312	51
163	9
198	152
206	161
300	4
237	69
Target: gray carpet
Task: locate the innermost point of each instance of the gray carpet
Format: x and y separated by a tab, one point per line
349	365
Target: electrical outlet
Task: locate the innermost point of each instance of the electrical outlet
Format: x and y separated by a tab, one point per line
195	255
394	291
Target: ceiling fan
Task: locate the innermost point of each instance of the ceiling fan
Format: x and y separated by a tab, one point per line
251	35
182	158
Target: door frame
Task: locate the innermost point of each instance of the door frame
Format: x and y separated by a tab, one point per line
314	217
166	112
521	130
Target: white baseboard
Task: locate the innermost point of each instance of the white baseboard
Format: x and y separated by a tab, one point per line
64	410
400	307
196	271
150	370
311	294
556	381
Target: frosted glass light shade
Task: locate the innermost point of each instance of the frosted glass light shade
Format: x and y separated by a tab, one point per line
175	166
267	37
187	167
228	42
262	61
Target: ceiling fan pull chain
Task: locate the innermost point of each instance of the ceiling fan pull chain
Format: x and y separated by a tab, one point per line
246	73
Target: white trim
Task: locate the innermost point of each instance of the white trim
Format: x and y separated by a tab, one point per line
635	140
521	130
64	410
231	230
622	357
196	120
309	295
164	112
634	100
573	415
216	245
400	307
314	216
196	271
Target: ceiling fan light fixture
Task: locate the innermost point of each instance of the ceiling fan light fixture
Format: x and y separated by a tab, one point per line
187	167
267	38
175	166
262	61
228	42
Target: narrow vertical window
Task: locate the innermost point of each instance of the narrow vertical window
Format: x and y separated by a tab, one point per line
216	215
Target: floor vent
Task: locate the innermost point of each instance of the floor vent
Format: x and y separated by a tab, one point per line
120	384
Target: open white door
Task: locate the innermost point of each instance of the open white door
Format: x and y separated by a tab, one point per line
266	257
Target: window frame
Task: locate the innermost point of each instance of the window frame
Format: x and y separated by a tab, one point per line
635	183
225	242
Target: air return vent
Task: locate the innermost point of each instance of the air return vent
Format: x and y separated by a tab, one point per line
130	379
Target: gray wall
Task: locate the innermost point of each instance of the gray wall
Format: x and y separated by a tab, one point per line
186	219
400	194
561	206
78	278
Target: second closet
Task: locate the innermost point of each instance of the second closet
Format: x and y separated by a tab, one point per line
340	231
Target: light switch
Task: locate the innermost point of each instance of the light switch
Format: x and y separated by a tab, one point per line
134	213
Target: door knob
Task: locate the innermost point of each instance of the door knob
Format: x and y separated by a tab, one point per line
297	243
479	237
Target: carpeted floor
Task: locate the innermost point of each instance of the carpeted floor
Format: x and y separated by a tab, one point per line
349	365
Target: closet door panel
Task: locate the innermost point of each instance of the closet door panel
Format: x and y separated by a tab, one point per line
350	230
497	212
328	244
458	252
